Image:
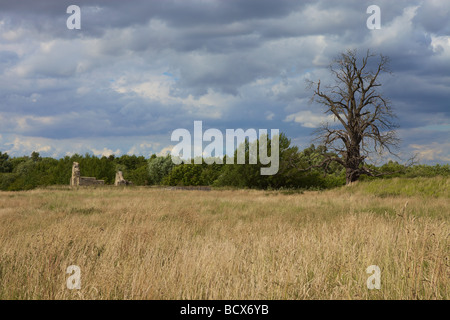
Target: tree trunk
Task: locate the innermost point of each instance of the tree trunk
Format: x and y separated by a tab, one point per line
352	164
351	175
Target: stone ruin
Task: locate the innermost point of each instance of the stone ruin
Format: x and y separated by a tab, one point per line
120	181
78	180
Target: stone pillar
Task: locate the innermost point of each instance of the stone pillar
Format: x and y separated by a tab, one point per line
119	178
75	180
120	181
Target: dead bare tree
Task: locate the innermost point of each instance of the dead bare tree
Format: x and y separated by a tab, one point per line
363	116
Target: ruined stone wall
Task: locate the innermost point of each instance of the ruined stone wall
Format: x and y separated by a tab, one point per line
78	180
89	181
120	181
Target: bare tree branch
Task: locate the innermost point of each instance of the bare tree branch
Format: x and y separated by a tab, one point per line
364	115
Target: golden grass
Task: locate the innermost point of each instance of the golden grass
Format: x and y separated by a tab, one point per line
145	243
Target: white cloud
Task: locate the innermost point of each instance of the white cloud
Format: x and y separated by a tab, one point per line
26	145
397	30
270	115
144	148
133	150
432	152
165	151
308	119
105	152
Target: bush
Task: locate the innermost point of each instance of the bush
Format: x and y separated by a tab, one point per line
159	167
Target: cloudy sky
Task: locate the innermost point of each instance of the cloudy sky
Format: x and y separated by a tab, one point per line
137	70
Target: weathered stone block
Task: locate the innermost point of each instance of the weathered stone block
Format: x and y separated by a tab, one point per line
120	181
78	180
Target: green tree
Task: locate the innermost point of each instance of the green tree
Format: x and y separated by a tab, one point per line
5	163
35	157
139	176
159	167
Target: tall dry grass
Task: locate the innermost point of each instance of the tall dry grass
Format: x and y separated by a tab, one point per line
142	243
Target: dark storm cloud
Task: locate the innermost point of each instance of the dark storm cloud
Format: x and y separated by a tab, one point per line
98	15
433	17
144	68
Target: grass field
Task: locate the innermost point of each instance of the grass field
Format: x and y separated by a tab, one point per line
149	243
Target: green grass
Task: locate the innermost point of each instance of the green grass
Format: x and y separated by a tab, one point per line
412	187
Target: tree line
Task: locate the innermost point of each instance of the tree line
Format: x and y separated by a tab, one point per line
29	172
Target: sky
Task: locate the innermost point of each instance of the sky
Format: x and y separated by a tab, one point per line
138	70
